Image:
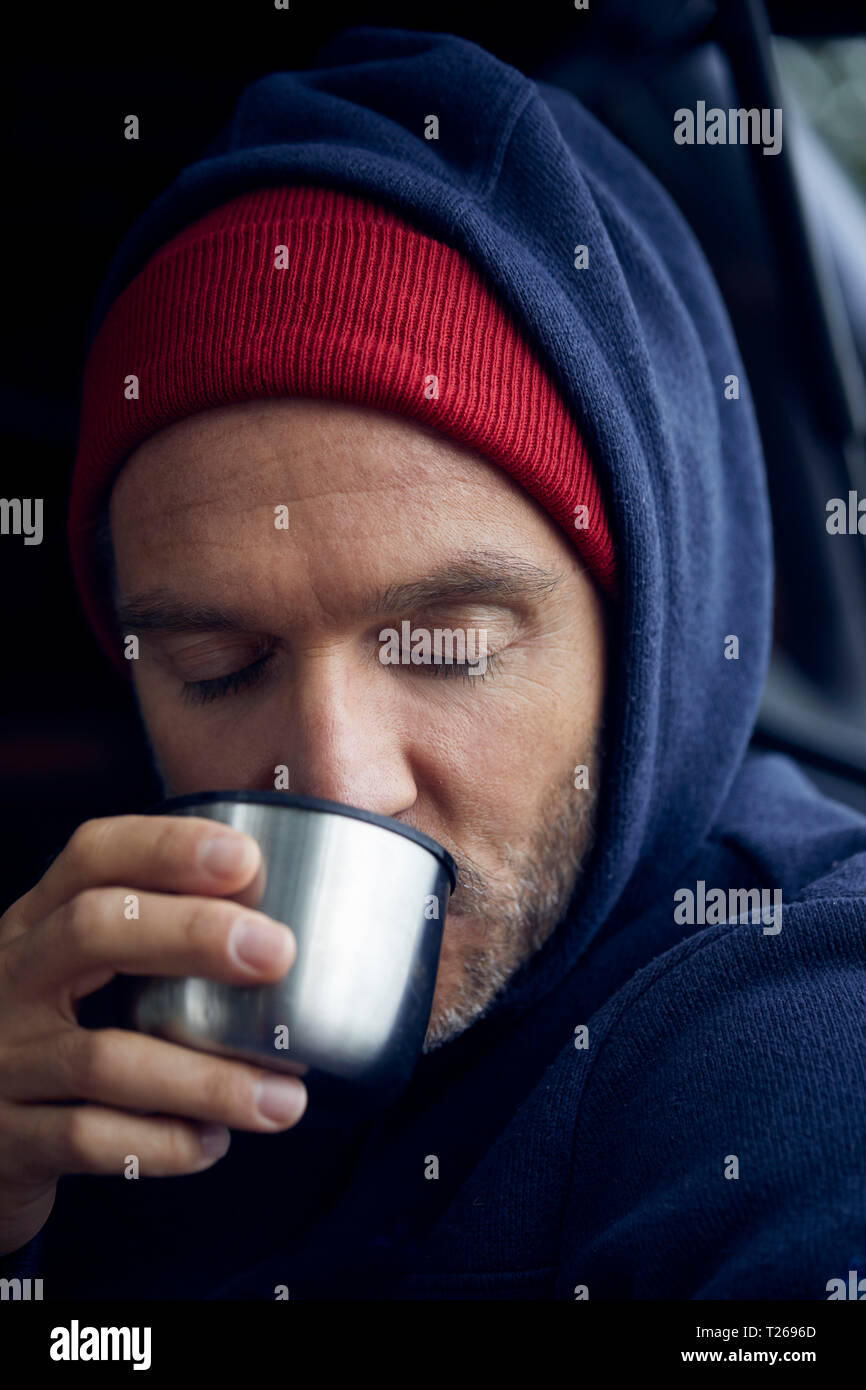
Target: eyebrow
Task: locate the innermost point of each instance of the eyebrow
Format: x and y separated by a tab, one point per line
481	575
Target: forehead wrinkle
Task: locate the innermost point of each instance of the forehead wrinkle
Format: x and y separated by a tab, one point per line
240	503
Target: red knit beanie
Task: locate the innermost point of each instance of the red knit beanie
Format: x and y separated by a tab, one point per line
308	291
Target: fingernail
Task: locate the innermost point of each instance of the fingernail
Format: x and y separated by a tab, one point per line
214	1140
280	1100
226	856
257	942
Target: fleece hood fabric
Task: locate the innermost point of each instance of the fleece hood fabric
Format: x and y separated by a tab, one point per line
583	1130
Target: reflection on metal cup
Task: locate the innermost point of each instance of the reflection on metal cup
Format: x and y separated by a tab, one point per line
366	898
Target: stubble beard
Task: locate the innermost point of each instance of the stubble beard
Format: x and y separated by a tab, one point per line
509	918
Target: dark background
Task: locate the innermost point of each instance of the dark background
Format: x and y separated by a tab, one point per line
69	740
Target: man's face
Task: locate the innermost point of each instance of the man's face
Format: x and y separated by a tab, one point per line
260	648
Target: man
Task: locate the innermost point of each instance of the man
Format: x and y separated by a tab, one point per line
420	341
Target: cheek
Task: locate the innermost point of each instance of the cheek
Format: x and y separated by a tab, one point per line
191	752
488	760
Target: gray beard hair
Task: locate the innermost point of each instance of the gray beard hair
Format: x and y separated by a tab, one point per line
514	917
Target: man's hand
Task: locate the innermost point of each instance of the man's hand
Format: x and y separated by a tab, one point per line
77	1100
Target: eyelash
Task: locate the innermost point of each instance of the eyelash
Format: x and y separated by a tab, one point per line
463	668
205	692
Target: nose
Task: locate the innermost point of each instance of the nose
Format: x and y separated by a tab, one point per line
342	738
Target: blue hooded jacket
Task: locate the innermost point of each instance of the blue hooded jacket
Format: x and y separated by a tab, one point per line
655	1108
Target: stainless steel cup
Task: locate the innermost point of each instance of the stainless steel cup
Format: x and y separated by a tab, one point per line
366	898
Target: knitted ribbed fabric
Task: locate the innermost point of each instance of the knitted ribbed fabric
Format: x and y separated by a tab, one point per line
312	292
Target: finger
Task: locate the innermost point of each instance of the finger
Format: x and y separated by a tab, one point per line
42	1142
91	938
116	1068
172	854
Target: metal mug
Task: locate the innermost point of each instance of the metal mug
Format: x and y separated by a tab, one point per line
366	898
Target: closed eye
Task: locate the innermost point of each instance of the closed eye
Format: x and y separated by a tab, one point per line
203	692
466	670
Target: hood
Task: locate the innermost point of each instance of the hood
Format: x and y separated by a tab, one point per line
640	347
